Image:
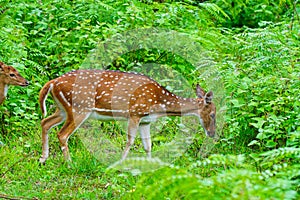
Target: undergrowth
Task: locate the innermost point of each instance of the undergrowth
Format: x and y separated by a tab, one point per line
250	59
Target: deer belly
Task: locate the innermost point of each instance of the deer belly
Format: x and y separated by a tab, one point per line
149	118
107	115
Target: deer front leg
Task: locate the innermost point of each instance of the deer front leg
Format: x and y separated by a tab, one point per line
53	120
133	124
146	138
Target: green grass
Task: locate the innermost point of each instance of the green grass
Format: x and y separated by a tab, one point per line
22	176
86	176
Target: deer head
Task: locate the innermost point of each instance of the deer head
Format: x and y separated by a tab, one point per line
207	112
9	76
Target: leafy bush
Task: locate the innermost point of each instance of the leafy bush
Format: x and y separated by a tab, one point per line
257	155
50	38
230	177
264	86
255	13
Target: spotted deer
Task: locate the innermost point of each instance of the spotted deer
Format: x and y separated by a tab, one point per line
9	76
115	95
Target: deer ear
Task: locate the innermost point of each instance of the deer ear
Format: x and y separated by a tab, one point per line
208	97
200	92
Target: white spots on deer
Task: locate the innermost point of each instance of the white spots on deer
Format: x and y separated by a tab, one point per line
123	91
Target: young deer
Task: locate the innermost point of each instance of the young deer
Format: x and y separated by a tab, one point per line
9	76
115	95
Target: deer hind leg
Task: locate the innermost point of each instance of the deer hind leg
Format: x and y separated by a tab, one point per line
146	138
70	126
131	134
48	123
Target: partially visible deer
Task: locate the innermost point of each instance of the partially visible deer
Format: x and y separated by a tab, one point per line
9	76
115	95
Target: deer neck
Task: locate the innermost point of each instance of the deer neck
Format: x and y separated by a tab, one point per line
178	106
3	92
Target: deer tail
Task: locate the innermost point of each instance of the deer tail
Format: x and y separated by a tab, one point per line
43	96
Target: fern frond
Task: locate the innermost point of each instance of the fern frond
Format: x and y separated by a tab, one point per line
221	160
214	10
104	5
282	152
283	170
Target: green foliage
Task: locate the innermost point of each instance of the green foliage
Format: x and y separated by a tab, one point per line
230	177
257	156
50	38
270	103
255	13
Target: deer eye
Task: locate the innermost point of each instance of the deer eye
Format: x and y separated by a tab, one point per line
12	75
212	115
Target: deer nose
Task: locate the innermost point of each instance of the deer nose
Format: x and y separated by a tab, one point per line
26	83
210	134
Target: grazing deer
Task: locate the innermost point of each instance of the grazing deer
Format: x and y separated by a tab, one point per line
115	95
9	76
